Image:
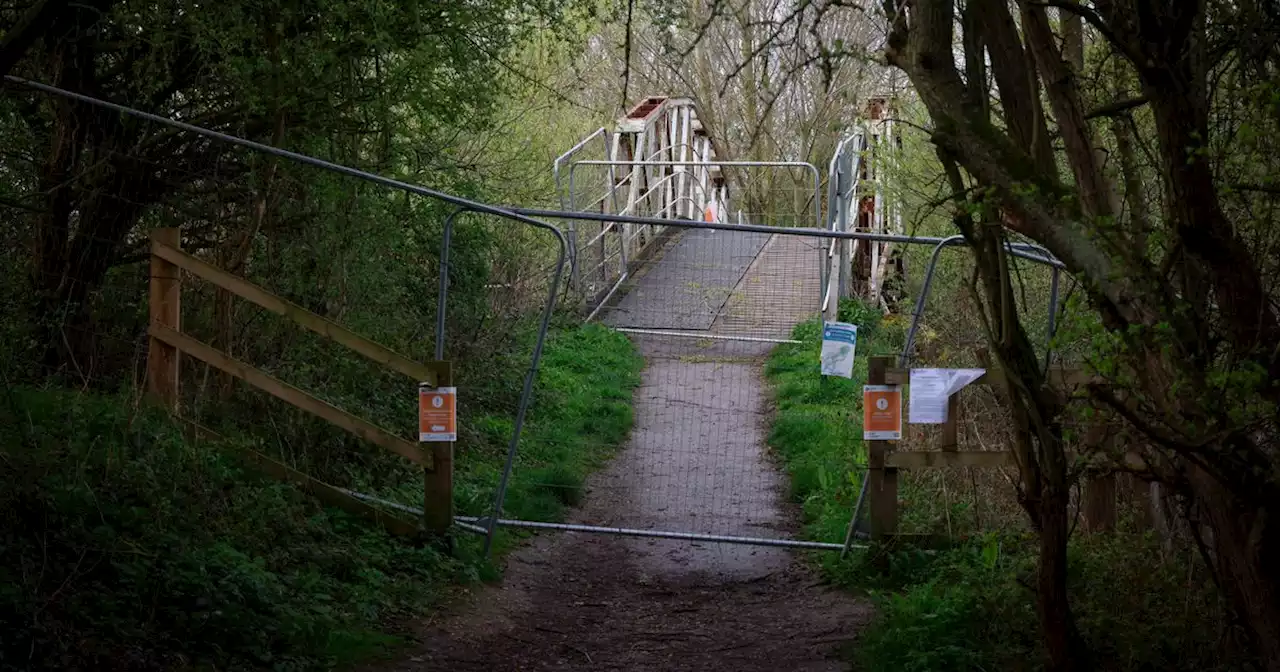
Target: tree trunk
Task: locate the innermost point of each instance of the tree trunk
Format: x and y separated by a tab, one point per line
1062	641
1044	487
1246	553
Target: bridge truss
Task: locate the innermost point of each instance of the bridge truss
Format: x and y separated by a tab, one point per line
661	163
858	200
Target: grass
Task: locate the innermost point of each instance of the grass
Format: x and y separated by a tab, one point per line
581	414
125	546
1138	605
817	427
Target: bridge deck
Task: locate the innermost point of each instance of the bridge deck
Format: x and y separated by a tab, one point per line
698	460
725	283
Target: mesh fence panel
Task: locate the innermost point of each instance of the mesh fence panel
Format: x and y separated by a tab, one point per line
726	282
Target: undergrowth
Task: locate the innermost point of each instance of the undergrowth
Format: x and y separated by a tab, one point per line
582	414
123	545
1139	605
817	425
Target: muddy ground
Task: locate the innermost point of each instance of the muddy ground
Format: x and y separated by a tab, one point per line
697	462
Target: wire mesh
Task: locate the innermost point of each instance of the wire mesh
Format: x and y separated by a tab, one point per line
358	254
597	256
725	283
367	257
951	334
698	460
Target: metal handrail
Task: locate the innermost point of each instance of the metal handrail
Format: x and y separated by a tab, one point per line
555	165
1026	251
813	170
655	185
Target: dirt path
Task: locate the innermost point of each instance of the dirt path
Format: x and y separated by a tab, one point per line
697	462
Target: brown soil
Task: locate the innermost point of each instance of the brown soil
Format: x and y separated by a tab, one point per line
575	603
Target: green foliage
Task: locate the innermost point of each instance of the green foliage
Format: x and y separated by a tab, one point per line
817	427
122	541
581	414
958	610
972	608
411	90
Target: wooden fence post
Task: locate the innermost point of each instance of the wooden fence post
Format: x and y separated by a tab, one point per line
1100	503
1099	496
437	505
882	484
165	307
950	439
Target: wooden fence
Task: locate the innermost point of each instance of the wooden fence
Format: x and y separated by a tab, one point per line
168	343
1098	502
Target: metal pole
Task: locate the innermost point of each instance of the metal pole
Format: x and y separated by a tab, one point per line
708	164
846	208
526	395
924	295
1026	251
1053	317
660	534
703	335
555	166
853	520
573	235
817	195
824	249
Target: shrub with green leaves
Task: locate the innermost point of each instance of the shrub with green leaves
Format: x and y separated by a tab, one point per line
122	541
125	546
1139	606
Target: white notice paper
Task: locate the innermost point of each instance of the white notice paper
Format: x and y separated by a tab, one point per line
839	341
930	390
927	397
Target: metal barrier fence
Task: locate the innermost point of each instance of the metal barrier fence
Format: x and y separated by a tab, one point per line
717	473
608	253
559	245
696	469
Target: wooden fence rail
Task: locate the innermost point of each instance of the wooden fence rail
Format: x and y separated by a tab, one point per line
168	342
883	461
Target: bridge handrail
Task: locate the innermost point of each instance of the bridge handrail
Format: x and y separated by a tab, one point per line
813	171
555	165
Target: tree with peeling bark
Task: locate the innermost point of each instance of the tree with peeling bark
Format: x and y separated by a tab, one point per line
1179	269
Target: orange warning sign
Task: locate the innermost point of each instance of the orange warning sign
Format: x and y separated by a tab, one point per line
437	413
881	412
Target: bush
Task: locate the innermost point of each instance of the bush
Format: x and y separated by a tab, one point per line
962	609
1138	606
125	546
817	426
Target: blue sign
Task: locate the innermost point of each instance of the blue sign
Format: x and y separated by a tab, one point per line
839	343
